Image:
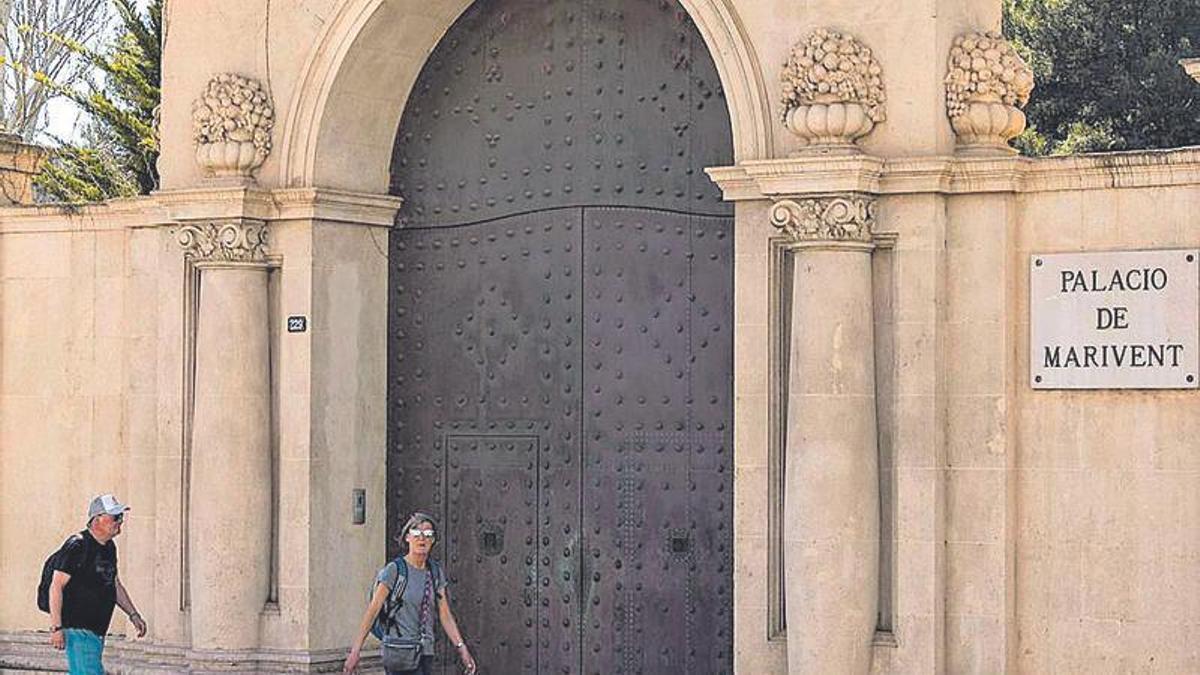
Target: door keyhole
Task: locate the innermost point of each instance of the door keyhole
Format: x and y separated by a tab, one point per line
491	542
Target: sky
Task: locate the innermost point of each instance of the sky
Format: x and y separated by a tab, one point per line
62	119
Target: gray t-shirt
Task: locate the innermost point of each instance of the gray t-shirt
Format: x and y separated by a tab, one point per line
407	617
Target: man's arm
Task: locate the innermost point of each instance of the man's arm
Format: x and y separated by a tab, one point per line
126	605
57	582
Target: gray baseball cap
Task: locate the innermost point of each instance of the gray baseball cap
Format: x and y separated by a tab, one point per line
105	504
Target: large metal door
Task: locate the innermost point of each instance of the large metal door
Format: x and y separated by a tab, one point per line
657	422
560	355
484	412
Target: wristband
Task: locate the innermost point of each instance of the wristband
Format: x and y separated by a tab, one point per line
55	629
459	645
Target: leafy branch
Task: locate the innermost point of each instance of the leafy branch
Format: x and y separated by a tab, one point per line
119	151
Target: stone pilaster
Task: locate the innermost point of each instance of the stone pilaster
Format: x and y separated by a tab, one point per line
831	507
230	482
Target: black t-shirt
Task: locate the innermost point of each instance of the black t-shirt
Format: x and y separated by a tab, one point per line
91	594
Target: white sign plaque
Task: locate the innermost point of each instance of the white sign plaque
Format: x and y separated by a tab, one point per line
1115	320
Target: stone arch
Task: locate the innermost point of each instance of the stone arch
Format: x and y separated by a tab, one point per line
341	123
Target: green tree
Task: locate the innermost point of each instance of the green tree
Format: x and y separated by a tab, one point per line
119	148
1107	73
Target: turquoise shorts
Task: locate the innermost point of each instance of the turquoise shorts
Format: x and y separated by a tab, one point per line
83	652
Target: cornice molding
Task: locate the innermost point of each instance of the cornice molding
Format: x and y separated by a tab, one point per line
170	208
117	214
1144	169
768	179
748	181
757	179
337	206
217	203
371	210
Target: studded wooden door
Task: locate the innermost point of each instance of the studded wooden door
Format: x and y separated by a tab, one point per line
560	354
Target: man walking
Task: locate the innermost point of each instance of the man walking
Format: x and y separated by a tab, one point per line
85	587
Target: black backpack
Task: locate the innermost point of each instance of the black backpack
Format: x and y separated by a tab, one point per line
48	567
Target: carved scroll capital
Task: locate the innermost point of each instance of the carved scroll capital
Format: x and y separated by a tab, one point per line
831	219
241	241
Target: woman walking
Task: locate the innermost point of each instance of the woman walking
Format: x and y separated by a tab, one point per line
408	591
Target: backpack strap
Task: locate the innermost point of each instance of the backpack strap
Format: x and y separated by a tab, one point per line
398	586
436	571
62	550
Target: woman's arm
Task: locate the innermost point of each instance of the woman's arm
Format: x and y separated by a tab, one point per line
373	607
451	627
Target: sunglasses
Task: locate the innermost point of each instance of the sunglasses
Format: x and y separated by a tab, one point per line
117	518
415	532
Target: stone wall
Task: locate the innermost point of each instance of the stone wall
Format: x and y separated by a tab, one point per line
1022	531
1066	517
1107	515
95	349
348	422
1020	536
78	393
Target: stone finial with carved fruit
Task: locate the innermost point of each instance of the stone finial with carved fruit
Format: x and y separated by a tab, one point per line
231	126
832	92
987	85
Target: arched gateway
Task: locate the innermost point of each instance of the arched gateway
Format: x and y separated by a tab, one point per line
560	355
